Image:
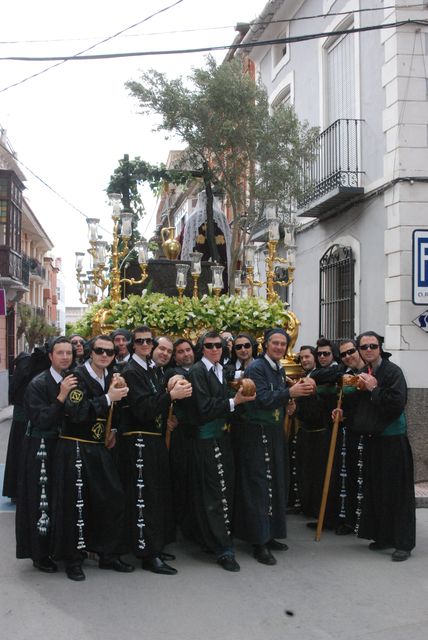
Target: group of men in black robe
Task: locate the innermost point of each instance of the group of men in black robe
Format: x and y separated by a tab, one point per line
125	446
371	491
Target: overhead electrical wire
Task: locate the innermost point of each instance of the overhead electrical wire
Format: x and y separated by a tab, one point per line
254	23
45	184
247	45
107	39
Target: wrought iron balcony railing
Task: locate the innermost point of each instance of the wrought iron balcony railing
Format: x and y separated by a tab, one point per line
333	174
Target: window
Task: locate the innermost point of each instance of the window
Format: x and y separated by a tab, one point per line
340	76
280	53
337	293
283	98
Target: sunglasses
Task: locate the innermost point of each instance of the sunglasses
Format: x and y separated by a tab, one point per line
100	350
212	345
349	352
371	346
82	342
143	341
246	345
323	354
230	339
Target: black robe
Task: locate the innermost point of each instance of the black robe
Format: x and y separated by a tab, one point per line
144	463
179	458
260	454
212	466
85	473
46	414
388	502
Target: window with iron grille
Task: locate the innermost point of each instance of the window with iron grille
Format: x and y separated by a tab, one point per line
337	293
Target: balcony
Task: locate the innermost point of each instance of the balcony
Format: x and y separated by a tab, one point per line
332	178
36	270
10	264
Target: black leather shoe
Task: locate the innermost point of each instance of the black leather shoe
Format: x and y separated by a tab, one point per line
343	529
116	565
399	555
166	556
75	573
263	555
276	545
377	546
156	565
228	563
46	565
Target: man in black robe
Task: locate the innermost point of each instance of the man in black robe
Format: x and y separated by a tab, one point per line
261	475
180	441
212	466
144	464
388	502
88	498
44	405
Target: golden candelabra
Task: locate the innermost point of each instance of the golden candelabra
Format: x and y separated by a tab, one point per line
101	276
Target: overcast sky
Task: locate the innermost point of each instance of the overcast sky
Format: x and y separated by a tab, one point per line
72	124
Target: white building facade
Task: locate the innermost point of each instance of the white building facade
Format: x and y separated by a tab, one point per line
366	191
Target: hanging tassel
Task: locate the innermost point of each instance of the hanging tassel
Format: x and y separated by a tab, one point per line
220	470
140	499
79	503
359	484
43	522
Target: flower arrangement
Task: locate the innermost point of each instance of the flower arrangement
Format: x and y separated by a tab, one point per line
189	316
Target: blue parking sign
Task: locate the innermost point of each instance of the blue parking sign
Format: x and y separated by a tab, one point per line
421	321
420	266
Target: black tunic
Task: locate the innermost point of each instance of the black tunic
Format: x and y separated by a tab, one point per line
82	459
18	385
144	463
261	453
45	413
179	458
212	466
388	504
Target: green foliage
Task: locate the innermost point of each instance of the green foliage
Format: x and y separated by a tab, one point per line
34	327
255	154
168	315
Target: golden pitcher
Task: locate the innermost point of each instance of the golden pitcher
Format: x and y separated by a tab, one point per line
170	245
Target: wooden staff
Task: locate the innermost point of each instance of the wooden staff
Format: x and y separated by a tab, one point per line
168	432
108	424
329	467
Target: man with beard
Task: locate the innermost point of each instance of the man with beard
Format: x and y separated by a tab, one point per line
44	406
144	456
388	503
121	339
261	485
88	500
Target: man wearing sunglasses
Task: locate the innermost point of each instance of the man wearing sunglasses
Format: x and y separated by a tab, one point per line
144	463
350	356
88	501
388	502
78	344
212	466
261	492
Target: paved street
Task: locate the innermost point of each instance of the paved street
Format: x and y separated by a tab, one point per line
333	589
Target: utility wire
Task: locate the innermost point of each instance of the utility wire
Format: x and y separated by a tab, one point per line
247	45
45	184
64	60
254	23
